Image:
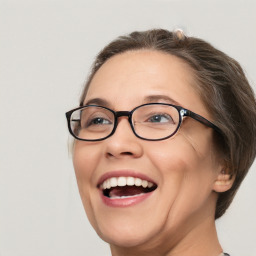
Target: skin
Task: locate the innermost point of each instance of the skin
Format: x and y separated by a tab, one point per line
178	218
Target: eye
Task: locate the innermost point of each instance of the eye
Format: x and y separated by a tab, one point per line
98	121
160	118
94	119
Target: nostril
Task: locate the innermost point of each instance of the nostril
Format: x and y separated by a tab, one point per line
122	154
127	153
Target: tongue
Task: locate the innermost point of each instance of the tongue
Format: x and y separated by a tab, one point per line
126	191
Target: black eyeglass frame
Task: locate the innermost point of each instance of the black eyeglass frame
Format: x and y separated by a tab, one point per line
182	112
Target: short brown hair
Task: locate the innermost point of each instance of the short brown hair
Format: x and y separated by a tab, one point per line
223	88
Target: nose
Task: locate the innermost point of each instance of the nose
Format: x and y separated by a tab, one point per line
123	143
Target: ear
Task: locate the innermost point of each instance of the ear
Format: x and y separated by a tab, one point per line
224	181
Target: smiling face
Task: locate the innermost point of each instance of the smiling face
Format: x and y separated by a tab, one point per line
178	174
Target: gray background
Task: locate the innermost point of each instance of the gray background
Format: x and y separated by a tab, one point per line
46	49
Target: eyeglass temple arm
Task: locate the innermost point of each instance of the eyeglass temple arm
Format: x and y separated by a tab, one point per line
186	112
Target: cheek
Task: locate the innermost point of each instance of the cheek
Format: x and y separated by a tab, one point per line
203	145
85	161
82	171
176	163
173	157
186	171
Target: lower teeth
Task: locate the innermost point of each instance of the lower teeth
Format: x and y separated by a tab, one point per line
121	197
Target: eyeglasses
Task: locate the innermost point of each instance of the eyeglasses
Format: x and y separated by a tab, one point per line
152	121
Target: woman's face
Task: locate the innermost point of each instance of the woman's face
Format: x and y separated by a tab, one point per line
183	167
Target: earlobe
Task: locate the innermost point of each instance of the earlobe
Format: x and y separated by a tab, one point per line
224	181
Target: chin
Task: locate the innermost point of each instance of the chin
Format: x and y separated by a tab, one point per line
124	239
127	233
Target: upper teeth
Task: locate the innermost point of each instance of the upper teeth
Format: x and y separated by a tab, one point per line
125	181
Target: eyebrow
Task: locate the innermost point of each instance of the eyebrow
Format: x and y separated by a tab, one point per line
98	101
160	98
147	99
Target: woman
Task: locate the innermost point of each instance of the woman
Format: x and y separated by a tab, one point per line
165	134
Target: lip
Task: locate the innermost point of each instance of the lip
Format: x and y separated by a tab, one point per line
127	201
124	202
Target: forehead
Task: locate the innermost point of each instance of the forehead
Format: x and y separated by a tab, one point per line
127	79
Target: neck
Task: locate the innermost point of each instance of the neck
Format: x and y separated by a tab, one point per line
200	241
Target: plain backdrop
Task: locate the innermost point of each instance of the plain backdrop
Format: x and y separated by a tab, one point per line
46	49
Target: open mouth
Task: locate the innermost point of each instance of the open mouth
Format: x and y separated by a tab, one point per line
124	187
